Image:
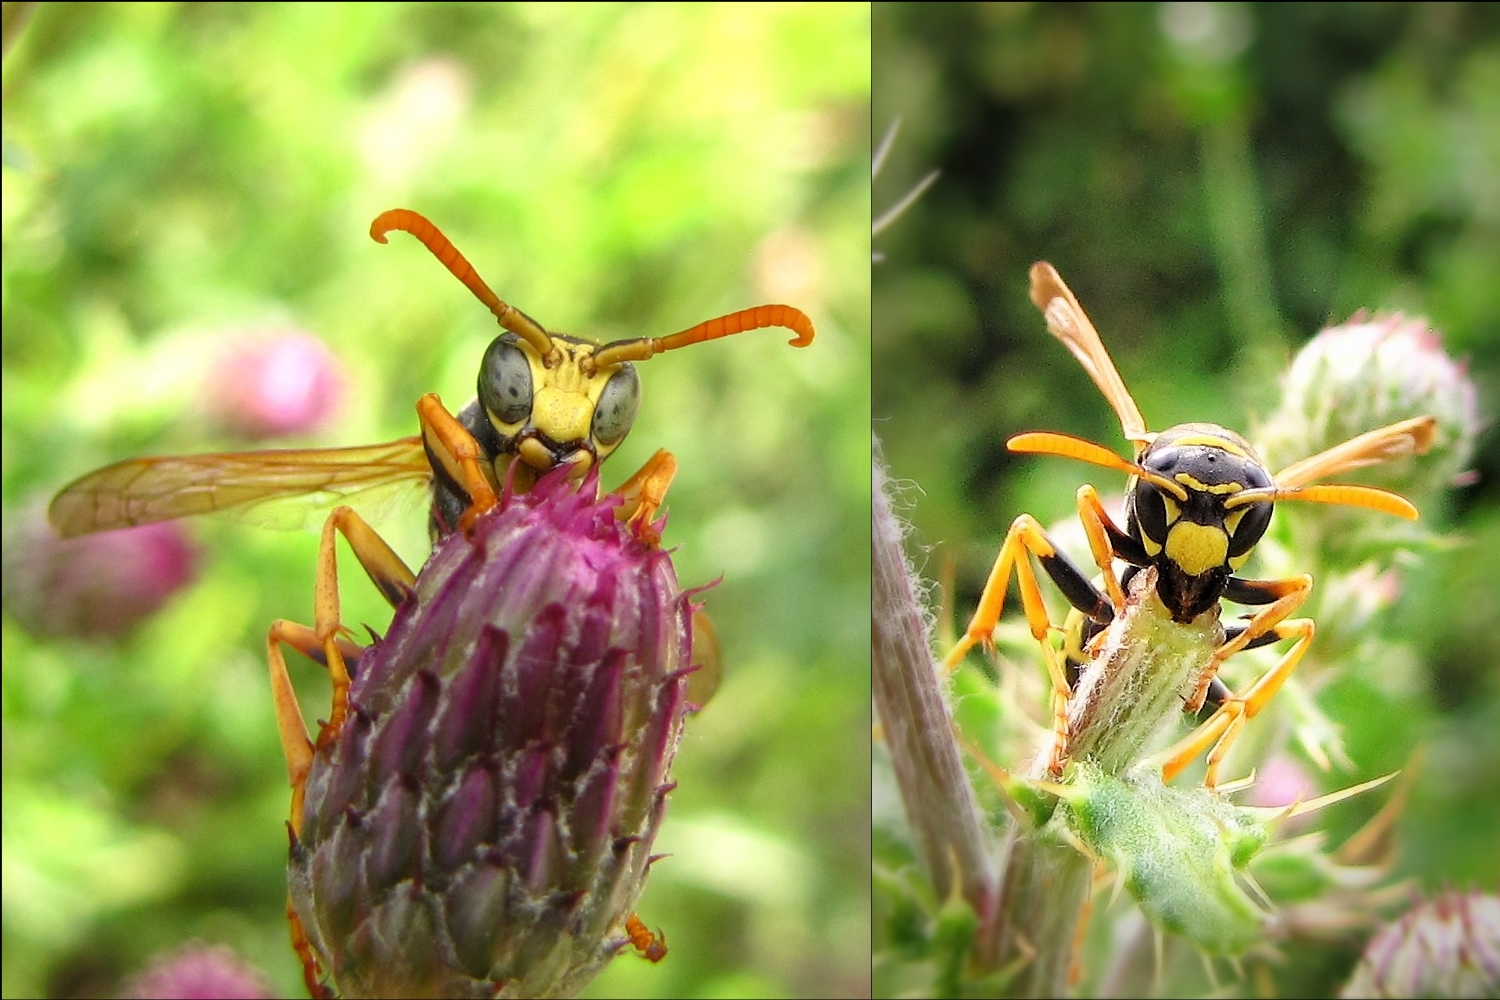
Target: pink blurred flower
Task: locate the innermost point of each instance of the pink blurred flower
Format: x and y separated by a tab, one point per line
199	972
273	385
95	586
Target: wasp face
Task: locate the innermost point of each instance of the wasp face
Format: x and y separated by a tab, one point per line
1190	537
559	410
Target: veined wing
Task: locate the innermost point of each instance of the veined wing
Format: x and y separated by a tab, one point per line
279	488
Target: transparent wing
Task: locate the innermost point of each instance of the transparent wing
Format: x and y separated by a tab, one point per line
1070	324
1406	437
280	488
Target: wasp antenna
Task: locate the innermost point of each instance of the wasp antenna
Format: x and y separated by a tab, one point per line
442	248
1068	446
1368	497
756	318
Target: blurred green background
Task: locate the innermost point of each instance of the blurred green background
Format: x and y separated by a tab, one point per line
1216	182
176	175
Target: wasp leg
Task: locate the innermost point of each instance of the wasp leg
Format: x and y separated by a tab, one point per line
1218	691
1107	542
327	645
653	947
1223	727
392	577
1026	535
644	494
451	445
299	757
312	970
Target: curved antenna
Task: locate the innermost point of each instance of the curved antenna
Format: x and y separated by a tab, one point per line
755	318
1405	437
1369	497
1068	446
442	248
1070	324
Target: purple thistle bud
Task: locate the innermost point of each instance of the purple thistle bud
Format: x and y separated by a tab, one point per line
199	972
1447	947
95	586
482	825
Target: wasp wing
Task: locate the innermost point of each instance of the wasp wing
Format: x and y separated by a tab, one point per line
1070	324
279	488
1405	437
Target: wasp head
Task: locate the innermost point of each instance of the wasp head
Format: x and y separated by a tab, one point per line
1180	517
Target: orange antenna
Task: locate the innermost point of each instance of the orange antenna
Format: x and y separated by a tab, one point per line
442	248
1068	446
756	318
1369	497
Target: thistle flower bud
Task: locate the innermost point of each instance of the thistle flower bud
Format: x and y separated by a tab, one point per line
482	825
199	972
1447	947
1367	373
97	586
1182	852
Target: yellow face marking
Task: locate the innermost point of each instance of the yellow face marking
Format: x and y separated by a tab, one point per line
564	398
1197	548
1193	484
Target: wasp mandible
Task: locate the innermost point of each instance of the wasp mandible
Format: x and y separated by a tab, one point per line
1197	502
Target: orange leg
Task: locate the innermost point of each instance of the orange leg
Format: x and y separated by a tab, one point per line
1026	535
312	971
1097	525
327	645
653	947
645	492
462	459
1223	727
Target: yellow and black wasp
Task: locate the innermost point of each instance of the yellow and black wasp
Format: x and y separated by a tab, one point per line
1197	502
544	401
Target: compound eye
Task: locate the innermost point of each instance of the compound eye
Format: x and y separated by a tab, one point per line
615	412
1251	526
505	381
1150	512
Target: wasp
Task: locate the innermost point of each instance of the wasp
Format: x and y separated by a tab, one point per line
1198	500
545	401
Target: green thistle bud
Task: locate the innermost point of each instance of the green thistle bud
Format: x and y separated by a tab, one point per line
1367	373
1447	947
1182	852
483	824
1364	374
